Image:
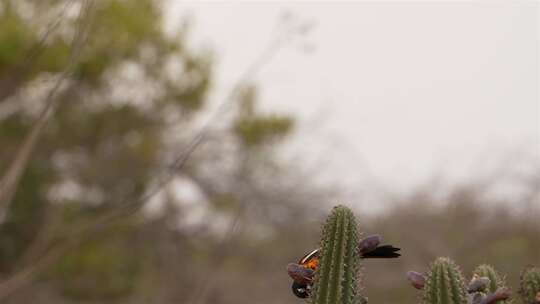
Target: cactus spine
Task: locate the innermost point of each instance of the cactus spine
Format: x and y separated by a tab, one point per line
335	279
444	284
530	285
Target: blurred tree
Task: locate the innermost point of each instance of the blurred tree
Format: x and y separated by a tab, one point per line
133	96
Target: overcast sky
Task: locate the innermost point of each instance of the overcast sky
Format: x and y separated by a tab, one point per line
407	89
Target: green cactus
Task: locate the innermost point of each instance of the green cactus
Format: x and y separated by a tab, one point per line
445	284
496	281
336	277
530	285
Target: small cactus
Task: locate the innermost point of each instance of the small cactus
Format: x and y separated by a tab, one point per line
335	280
495	280
530	285
444	284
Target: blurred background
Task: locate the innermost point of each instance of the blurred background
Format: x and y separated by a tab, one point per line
185	152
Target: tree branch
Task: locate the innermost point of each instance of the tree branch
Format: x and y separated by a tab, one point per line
10	180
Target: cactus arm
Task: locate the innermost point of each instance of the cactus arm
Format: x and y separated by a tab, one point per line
335	277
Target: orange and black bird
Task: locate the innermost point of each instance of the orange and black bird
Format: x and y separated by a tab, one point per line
302	273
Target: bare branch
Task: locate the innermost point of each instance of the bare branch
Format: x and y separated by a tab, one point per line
10	180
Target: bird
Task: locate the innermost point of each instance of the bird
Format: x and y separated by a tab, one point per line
302	272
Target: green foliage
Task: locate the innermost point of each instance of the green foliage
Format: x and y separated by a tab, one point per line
530	285
25	217
19	39
15	38
445	283
336	279
54	57
253	129
98	270
119	28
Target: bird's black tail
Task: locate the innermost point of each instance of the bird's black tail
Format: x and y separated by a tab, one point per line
384	252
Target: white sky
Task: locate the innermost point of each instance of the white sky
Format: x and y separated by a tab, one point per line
408	89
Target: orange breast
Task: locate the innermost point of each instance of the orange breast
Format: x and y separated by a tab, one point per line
311	263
